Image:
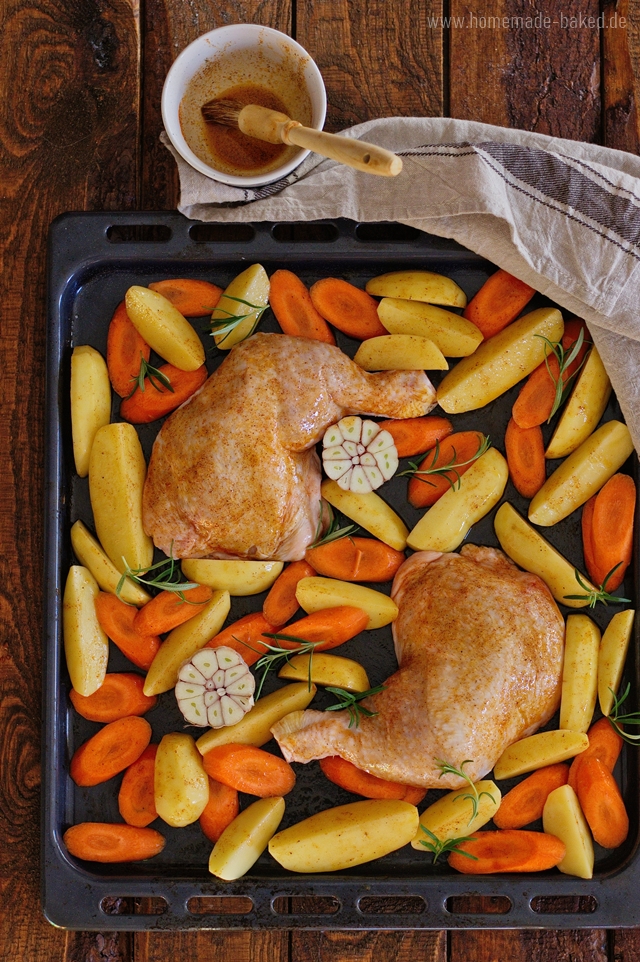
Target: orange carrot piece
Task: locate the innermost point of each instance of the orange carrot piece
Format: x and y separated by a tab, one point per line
119	695
498	302
458	447
106	842
611	534
602	804
524	803
116	620
356	559
605	744
220	810
349	308
414	436
524	448
136	798
244	636
125	349
281	603
534	403
111	750
508	850
191	297
329	627
294	311
249	769
167	610
343	773
153	403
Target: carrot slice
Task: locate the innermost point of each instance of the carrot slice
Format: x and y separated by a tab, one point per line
167	610
117	621
153	403
508	850
329	627
191	297
356	559
611	534
343	773
105	842
524	448
349	308
498	302
281	603
111	750
605	744
220	810
294	311
602	804
249	769
125	349
524	803
424	490
414	436
534	403
136	798
244	636
119	695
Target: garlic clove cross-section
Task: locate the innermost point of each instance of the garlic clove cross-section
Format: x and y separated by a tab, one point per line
215	688
358	455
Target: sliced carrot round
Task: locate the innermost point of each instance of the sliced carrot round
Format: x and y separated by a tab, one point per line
249	769
111	750
107	842
119	695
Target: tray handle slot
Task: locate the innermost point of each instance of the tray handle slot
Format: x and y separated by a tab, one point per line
392	905
309	232
478	904
564	904
138	233
126	905
383	232
306	905
221	233
220	905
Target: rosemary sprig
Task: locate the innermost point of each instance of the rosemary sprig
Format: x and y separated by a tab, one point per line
334	532
439	848
164	580
225	325
445	469
474	795
268	662
565	359
157	378
616	720
594	595
351	701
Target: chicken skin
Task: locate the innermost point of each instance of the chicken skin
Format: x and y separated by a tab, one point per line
480	647
234	472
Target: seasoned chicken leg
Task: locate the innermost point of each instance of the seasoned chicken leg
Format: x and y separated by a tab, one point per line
480	647
234	473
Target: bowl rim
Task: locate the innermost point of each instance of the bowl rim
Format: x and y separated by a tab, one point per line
179	74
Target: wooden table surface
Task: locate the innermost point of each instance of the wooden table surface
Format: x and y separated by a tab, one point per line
79	125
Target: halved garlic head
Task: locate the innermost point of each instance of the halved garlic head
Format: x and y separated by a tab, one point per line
215	688
358	455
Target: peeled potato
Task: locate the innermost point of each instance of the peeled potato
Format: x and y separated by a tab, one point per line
583	410
452	815
245	839
252	286
90	402
537	751
454	335
315	593
164	328
400	352
370	512
580	673
611	657
86	646
418	286
237	577
326	670
562	817
89	553
181	785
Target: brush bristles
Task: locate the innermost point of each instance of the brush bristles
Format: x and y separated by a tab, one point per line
224	112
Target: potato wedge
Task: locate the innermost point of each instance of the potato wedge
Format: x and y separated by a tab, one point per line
611	657
255	727
536	751
252	286
400	352
326	670
86	647
580	673
532	552
90	402
181	785
245	839
370	512
164	328
184	641
117	471
562	817
500	362
454	335
583	410
445	525
582	474
418	286
344	836
316	593
239	578
452	815
90	554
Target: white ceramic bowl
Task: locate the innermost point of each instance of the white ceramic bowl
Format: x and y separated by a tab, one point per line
233	46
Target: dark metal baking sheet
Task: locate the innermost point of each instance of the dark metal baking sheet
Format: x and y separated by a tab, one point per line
93	259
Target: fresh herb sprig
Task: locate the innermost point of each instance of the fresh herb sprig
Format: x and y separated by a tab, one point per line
166	579
565	359
616	720
334	532
444	470
474	795
268	662
593	595
439	847
225	325
351	701
157	379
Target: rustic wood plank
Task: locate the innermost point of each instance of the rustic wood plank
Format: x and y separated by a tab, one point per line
366	946
523	946
620	115
211	946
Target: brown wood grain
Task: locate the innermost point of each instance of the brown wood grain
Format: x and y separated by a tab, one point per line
620	113
367	946
588	945
235	946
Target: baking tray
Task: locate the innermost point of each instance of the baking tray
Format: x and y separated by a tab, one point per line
93	259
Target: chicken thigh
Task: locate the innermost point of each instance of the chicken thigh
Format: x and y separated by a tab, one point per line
234	473
480	647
